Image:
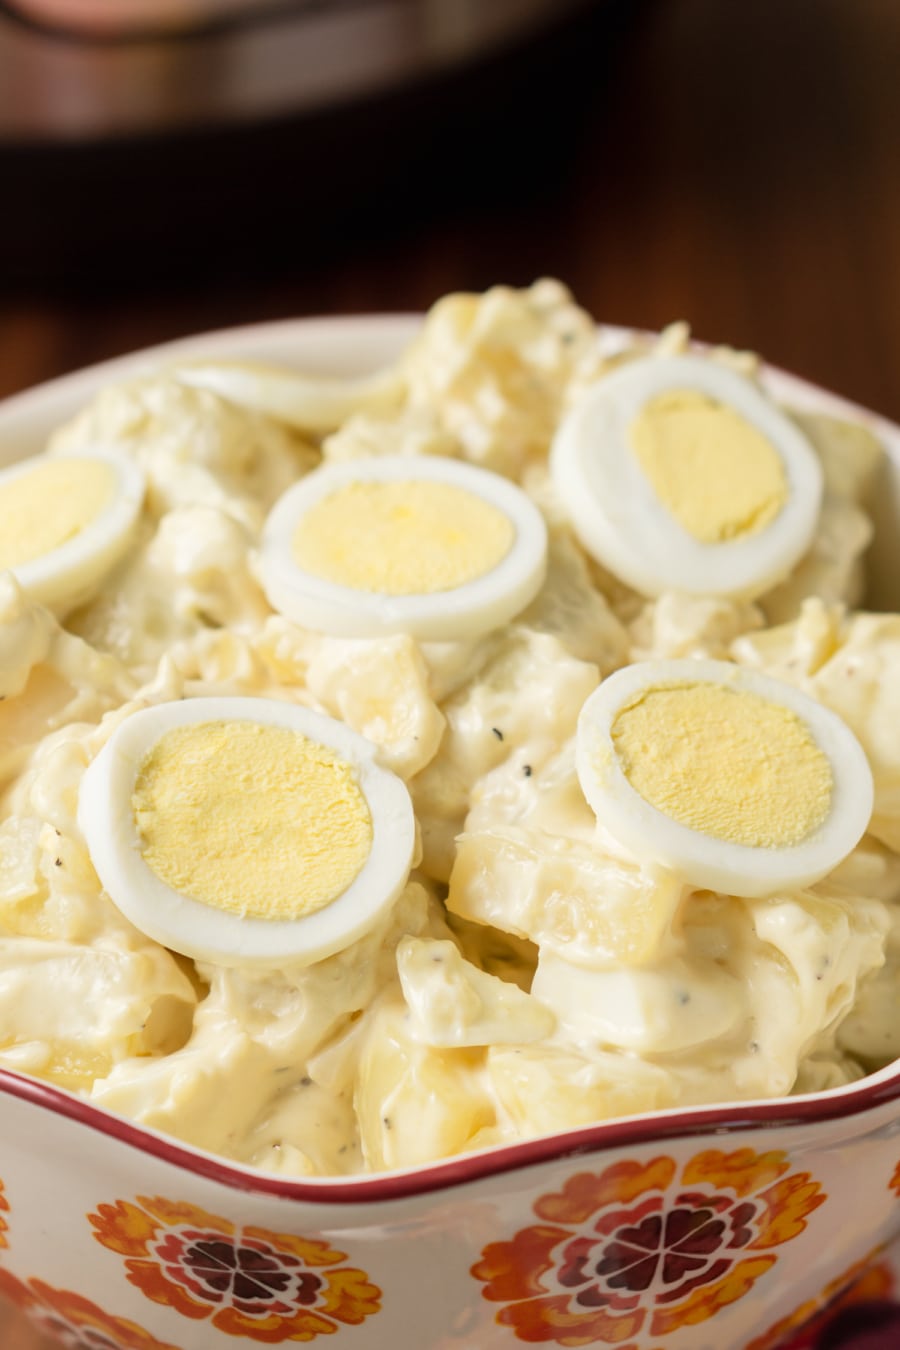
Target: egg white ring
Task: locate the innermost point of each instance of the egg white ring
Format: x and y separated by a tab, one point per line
738	869
106	819
488	601
70	574
621	522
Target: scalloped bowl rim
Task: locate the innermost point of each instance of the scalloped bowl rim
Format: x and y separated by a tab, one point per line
353	345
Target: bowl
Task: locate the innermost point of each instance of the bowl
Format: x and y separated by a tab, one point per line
689	1229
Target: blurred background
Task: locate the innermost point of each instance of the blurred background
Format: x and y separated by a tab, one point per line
168	166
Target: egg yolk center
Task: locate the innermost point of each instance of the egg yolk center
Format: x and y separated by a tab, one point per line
726	763
713	471
254	820
402	538
51	504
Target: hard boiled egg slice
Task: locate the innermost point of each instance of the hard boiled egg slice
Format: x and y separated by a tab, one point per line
739	782
65	521
246	831
401	544
312	403
679	474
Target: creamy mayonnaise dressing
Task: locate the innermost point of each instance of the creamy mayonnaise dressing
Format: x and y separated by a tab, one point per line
533	974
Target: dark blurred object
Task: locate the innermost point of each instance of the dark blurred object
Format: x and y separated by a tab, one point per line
117	71
144	158
869	1326
113	19
733	164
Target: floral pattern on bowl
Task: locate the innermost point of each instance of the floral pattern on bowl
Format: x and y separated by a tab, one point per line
252	1283
73	1320
654	1246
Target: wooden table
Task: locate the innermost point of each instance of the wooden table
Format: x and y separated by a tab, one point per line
732	164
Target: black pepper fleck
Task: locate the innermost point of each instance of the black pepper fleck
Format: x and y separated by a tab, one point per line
526	769
306	1081
498	733
58	862
388	1123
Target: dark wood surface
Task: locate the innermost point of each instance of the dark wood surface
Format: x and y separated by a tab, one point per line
734	164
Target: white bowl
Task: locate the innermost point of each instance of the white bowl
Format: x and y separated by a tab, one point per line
694	1229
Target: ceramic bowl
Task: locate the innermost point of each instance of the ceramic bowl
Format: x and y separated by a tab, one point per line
700	1229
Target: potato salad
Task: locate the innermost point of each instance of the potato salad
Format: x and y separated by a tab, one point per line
406	765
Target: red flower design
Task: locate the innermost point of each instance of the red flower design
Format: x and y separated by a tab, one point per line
250	1282
639	1246
4	1209
75	1322
248	1273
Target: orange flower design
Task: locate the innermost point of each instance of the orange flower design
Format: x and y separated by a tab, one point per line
248	1281
862	1283
644	1246
894	1183
73	1320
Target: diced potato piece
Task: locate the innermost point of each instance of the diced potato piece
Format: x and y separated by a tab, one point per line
676	1006
564	894
525	703
416	1103
453	1003
544	1088
380	689
103	1004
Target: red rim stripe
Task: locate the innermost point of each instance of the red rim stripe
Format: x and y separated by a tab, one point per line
733	1118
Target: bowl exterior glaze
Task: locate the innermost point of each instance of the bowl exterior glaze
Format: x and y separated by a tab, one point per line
722	1238
720	1229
